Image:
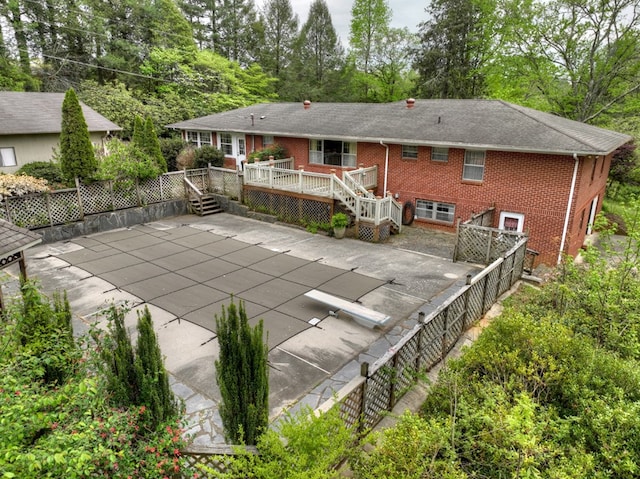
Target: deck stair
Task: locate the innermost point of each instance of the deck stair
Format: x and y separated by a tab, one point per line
204	205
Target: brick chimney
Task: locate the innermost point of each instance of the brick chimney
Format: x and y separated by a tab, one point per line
410	102
306	104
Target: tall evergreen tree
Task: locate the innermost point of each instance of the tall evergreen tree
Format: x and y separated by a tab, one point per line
151	145
319	58
236	23
242	376
452	50
77	158
117	354
153	380
280	31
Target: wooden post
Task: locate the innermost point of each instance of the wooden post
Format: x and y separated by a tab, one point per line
79	193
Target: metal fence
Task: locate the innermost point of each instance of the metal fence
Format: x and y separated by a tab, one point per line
70	205
366	399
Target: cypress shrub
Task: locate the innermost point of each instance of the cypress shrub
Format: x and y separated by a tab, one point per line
151	145
117	353
77	158
242	376
153	380
137	376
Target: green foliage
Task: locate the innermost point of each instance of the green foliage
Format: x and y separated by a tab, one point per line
339	220
171	148
277	151
137	379
152	378
66	427
47	170
242	376
152	145
304	446
44	334
114	101
77	158
413	448
125	161
207	154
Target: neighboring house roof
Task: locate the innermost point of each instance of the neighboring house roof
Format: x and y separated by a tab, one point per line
28	113
14	239
481	124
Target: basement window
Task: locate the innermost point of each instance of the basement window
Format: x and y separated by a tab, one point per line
435	210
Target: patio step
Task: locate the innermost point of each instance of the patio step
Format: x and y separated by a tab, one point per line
206	205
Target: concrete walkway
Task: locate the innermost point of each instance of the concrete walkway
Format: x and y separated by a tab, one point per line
185	269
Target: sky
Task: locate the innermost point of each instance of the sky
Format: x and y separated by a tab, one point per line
406	13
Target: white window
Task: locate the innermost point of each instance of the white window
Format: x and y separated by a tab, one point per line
410	152
226	143
433	210
473	165
348	154
267	140
332	152
199	138
439	154
7	157
315	151
511	221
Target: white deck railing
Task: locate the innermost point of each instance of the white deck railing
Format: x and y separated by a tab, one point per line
351	190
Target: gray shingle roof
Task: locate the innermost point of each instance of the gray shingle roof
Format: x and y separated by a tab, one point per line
14	239
483	124
26	113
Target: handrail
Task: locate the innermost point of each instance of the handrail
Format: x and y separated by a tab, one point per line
351	193
191	186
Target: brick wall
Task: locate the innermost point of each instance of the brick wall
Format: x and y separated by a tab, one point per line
534	185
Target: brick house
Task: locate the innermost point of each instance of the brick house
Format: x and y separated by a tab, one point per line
444	159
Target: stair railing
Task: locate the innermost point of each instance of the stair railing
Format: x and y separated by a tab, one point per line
192	190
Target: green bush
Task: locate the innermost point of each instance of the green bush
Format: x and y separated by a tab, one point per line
206	155
278	152
47	170
56	419
171	148
125	161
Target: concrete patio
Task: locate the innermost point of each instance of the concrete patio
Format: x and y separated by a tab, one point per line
185	269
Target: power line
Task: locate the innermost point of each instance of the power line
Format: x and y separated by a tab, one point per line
99	67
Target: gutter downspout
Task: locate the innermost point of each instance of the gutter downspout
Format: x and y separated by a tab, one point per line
386	167
566	218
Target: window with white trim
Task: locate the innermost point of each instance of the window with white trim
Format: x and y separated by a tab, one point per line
511	221
439	154
435	210
473	169
199	138
7	157
409	152
226	143
267	140
332	152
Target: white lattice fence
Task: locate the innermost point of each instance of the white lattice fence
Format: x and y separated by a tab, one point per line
481	244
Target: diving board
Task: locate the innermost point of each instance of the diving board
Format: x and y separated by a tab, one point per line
361	314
